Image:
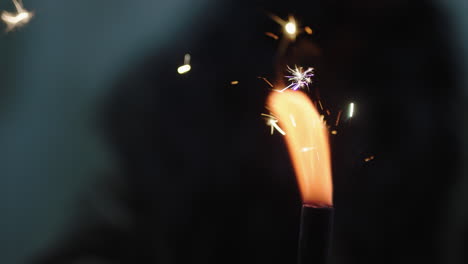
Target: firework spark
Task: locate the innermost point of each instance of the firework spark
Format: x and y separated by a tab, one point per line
272	121
20	18
299	78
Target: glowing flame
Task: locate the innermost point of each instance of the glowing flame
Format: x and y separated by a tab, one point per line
21	17
307	140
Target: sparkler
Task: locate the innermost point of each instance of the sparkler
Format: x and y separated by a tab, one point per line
20	18
299	78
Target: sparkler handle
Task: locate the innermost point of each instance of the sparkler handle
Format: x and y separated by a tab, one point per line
315	235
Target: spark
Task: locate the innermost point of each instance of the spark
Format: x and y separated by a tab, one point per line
299	78
369	158
271	35
308	30
20	18
291	28
235	82
266	80
338	118
306	149
293	121
272	121
351	110
334	132
186	67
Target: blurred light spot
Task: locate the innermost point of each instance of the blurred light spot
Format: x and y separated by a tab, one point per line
184	69
351	110
20	18
235	82
308	30
369	158
334	132
290	28
271	35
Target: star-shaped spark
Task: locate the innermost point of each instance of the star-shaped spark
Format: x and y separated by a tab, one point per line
272	121
21	17
299	78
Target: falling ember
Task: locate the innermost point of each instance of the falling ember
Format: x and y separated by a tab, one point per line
308	30
271	35
307	142
20	18
334	132
266	80
369	158
351	110
235	82
337	122
186	67
272	121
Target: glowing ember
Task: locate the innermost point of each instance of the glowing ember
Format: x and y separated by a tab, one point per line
307	140
235	82
20	18
308	30
272	121
271	35
299	78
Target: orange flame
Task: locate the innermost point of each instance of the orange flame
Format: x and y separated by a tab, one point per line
307	140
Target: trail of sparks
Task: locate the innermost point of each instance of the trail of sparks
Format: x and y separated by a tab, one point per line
20	18
272	121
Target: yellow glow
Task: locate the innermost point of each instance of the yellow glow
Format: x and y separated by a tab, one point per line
290	28
184	69
235	82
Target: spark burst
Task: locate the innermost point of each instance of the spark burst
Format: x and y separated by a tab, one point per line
20	18
272	121
299	78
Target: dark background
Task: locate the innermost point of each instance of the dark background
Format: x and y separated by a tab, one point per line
110	156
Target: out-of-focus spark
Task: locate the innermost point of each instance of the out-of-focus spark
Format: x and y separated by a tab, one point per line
306	149
337	122
308	30
320	104
328	112
271	35
235	82
351	110
272	121
20	18
293	121
334	132
369	158
299	78
291	27
266	80
186	67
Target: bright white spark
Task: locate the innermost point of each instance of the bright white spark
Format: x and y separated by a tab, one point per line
351	110
272	121
20	18
299	78
186	67
290	28
306	149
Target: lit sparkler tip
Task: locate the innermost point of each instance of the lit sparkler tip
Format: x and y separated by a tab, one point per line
20	18
291	28
299	78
